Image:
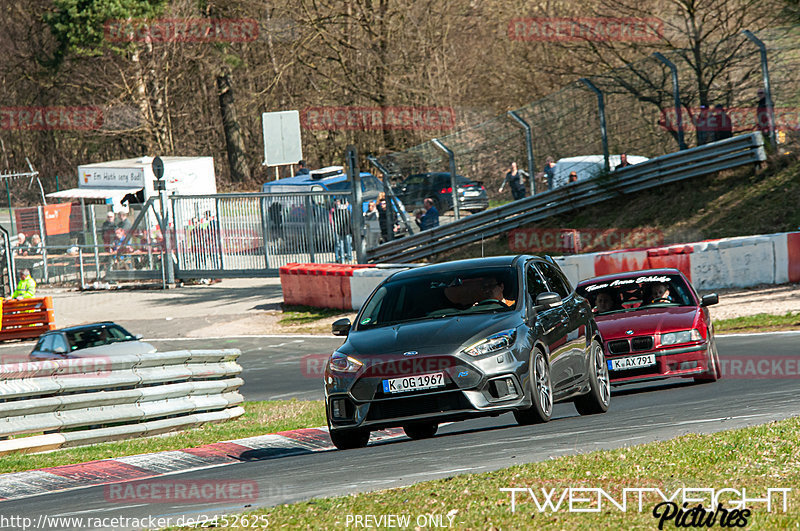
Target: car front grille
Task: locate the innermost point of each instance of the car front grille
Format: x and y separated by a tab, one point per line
620	346
418	405
636	344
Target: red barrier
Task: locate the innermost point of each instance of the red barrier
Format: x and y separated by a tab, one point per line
619	262
318	285
676	257
793	248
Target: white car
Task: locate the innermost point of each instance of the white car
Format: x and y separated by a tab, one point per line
588	166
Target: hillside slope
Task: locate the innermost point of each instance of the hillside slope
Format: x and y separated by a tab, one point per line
739	202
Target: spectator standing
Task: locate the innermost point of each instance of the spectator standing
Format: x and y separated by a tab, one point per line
550	173
372	217
701	125
124	223
26	287
723	127
302	170
515	179
763	118
383	217
108	228
430	218
623	162
340	218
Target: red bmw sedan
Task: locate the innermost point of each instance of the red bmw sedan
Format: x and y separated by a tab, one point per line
654	325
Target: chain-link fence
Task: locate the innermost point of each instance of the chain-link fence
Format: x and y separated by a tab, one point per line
638	102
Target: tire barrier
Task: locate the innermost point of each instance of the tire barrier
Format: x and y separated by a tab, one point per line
79	401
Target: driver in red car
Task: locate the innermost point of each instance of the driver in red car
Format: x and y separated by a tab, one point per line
660	294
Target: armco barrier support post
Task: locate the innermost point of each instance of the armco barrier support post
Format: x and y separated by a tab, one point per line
676	95
528	147
767	91
601	109
454	185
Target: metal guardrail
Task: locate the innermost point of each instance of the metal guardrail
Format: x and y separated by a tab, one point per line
709	158
80	401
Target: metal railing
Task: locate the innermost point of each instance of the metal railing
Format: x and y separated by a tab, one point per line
228	235
79	401
709	158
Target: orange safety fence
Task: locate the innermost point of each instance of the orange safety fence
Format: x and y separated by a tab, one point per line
27	318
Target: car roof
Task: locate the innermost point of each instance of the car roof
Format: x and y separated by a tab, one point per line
308	180
435	174
628	274
81	327
459	265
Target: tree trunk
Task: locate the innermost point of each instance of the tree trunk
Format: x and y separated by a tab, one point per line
234	142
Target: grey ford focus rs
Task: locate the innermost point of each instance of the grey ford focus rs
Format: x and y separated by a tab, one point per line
463	339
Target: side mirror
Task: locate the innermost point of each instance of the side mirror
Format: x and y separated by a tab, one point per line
138	336
341	327
548	299
709	300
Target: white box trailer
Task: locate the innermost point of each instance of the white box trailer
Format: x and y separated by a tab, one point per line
109	182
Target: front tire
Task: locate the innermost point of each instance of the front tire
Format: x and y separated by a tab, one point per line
541	393
714	370
422	430
348	439
598	398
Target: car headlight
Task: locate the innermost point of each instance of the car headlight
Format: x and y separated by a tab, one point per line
492	343
676	338
343	363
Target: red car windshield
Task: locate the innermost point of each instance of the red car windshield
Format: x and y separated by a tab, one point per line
636	292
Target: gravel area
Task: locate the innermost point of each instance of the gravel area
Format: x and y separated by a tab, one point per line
774	300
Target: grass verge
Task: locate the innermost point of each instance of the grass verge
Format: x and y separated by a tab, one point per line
259	418
761	322
756	458
295	315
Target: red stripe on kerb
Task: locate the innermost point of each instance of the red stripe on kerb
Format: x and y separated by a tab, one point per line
219	451
108	470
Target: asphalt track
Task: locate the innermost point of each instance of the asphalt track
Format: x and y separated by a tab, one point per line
641	414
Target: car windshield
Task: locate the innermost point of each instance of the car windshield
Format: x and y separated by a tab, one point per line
636	292
98	336
438	295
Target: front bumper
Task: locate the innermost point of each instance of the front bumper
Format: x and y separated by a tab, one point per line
688	361
488	386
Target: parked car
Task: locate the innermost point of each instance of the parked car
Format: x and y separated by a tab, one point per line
650	333
289	211
463	339
415	188
96	339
